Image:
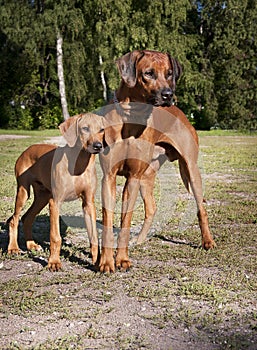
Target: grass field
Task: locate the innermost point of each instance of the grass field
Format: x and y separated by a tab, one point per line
176	296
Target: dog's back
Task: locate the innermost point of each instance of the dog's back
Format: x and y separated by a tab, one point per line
30	156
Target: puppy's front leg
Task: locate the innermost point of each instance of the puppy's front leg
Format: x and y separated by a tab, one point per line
108	199
54	262
90	221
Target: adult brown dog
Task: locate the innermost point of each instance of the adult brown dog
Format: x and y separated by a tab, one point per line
140	137
59	174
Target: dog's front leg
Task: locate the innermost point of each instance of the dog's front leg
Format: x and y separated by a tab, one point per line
108	199
54	262
130	194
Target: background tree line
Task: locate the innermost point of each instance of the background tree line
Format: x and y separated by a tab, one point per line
215	41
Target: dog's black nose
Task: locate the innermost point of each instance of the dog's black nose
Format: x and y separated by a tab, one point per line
97	146
167	94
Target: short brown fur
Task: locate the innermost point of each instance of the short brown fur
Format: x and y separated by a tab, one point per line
148	77
58	174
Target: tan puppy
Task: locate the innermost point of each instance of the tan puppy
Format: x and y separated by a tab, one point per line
59	174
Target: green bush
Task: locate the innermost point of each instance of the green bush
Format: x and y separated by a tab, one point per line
49	118
19	118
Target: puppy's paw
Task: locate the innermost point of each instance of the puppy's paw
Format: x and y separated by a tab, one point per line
13	250
31	245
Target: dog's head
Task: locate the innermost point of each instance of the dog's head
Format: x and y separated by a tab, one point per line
85	130
151	76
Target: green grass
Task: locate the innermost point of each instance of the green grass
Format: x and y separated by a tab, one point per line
30	133
212	294
223	133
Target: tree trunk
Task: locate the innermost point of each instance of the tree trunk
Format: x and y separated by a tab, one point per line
103	79
64	104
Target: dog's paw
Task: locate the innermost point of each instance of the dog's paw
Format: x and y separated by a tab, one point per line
123	264
106	267
106	263
122	259
13	250
54	265
31	245
208	244
94	253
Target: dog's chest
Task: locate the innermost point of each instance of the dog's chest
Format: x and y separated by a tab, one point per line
71	175
132	130
129	156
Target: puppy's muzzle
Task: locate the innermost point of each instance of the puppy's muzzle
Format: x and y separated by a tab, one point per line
97	147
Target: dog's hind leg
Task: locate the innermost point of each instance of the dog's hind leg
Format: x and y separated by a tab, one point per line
146	191
41	198
192	179
21	198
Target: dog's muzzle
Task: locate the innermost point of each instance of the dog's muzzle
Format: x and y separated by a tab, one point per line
167	95
163	97
97	147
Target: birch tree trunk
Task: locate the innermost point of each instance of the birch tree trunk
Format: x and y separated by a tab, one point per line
103	79
64	104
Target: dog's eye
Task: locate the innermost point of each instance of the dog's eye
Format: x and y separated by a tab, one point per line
101	130
85	128
149	74
169	74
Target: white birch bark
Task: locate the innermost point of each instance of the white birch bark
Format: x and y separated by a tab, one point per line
64	104
103	79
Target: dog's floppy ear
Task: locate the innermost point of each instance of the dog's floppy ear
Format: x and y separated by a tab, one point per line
127	67
176	67
69	129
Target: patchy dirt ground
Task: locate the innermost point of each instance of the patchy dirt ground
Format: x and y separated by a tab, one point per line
176	296
99	315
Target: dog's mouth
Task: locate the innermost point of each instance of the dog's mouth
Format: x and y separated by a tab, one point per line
160	102
163	98
163	103
95	148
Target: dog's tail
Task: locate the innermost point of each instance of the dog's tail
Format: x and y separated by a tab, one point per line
185	176
184	173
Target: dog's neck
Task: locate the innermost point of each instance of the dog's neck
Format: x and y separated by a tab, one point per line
126	94
132	108
82	161
78	159
132	112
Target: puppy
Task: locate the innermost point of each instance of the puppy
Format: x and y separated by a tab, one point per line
59	174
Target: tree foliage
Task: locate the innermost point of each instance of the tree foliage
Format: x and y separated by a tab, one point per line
214	40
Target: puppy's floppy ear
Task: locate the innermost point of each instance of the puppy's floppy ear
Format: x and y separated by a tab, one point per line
127	67
69	129
176	67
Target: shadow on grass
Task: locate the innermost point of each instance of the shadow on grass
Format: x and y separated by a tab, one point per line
176	241
41	229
